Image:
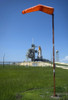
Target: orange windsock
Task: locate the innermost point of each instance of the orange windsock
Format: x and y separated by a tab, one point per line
45	9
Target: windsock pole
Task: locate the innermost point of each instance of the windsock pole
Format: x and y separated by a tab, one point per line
53	54
48	10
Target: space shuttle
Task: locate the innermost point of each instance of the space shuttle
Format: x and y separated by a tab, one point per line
39	53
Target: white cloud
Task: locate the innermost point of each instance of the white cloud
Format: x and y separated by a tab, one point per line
65	59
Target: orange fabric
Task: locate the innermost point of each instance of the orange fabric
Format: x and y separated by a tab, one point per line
45	9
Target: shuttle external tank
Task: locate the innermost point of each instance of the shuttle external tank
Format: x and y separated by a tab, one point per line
39	53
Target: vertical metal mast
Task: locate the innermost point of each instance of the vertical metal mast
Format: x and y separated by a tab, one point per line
53	54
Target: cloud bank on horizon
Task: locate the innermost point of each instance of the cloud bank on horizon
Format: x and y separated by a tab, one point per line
65	60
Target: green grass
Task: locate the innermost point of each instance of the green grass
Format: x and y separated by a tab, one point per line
32	83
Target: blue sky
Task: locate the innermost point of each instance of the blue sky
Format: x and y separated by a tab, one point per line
17	30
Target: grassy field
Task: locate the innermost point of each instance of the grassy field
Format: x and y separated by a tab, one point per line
32	83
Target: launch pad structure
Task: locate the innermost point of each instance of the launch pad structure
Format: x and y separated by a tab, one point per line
32	52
